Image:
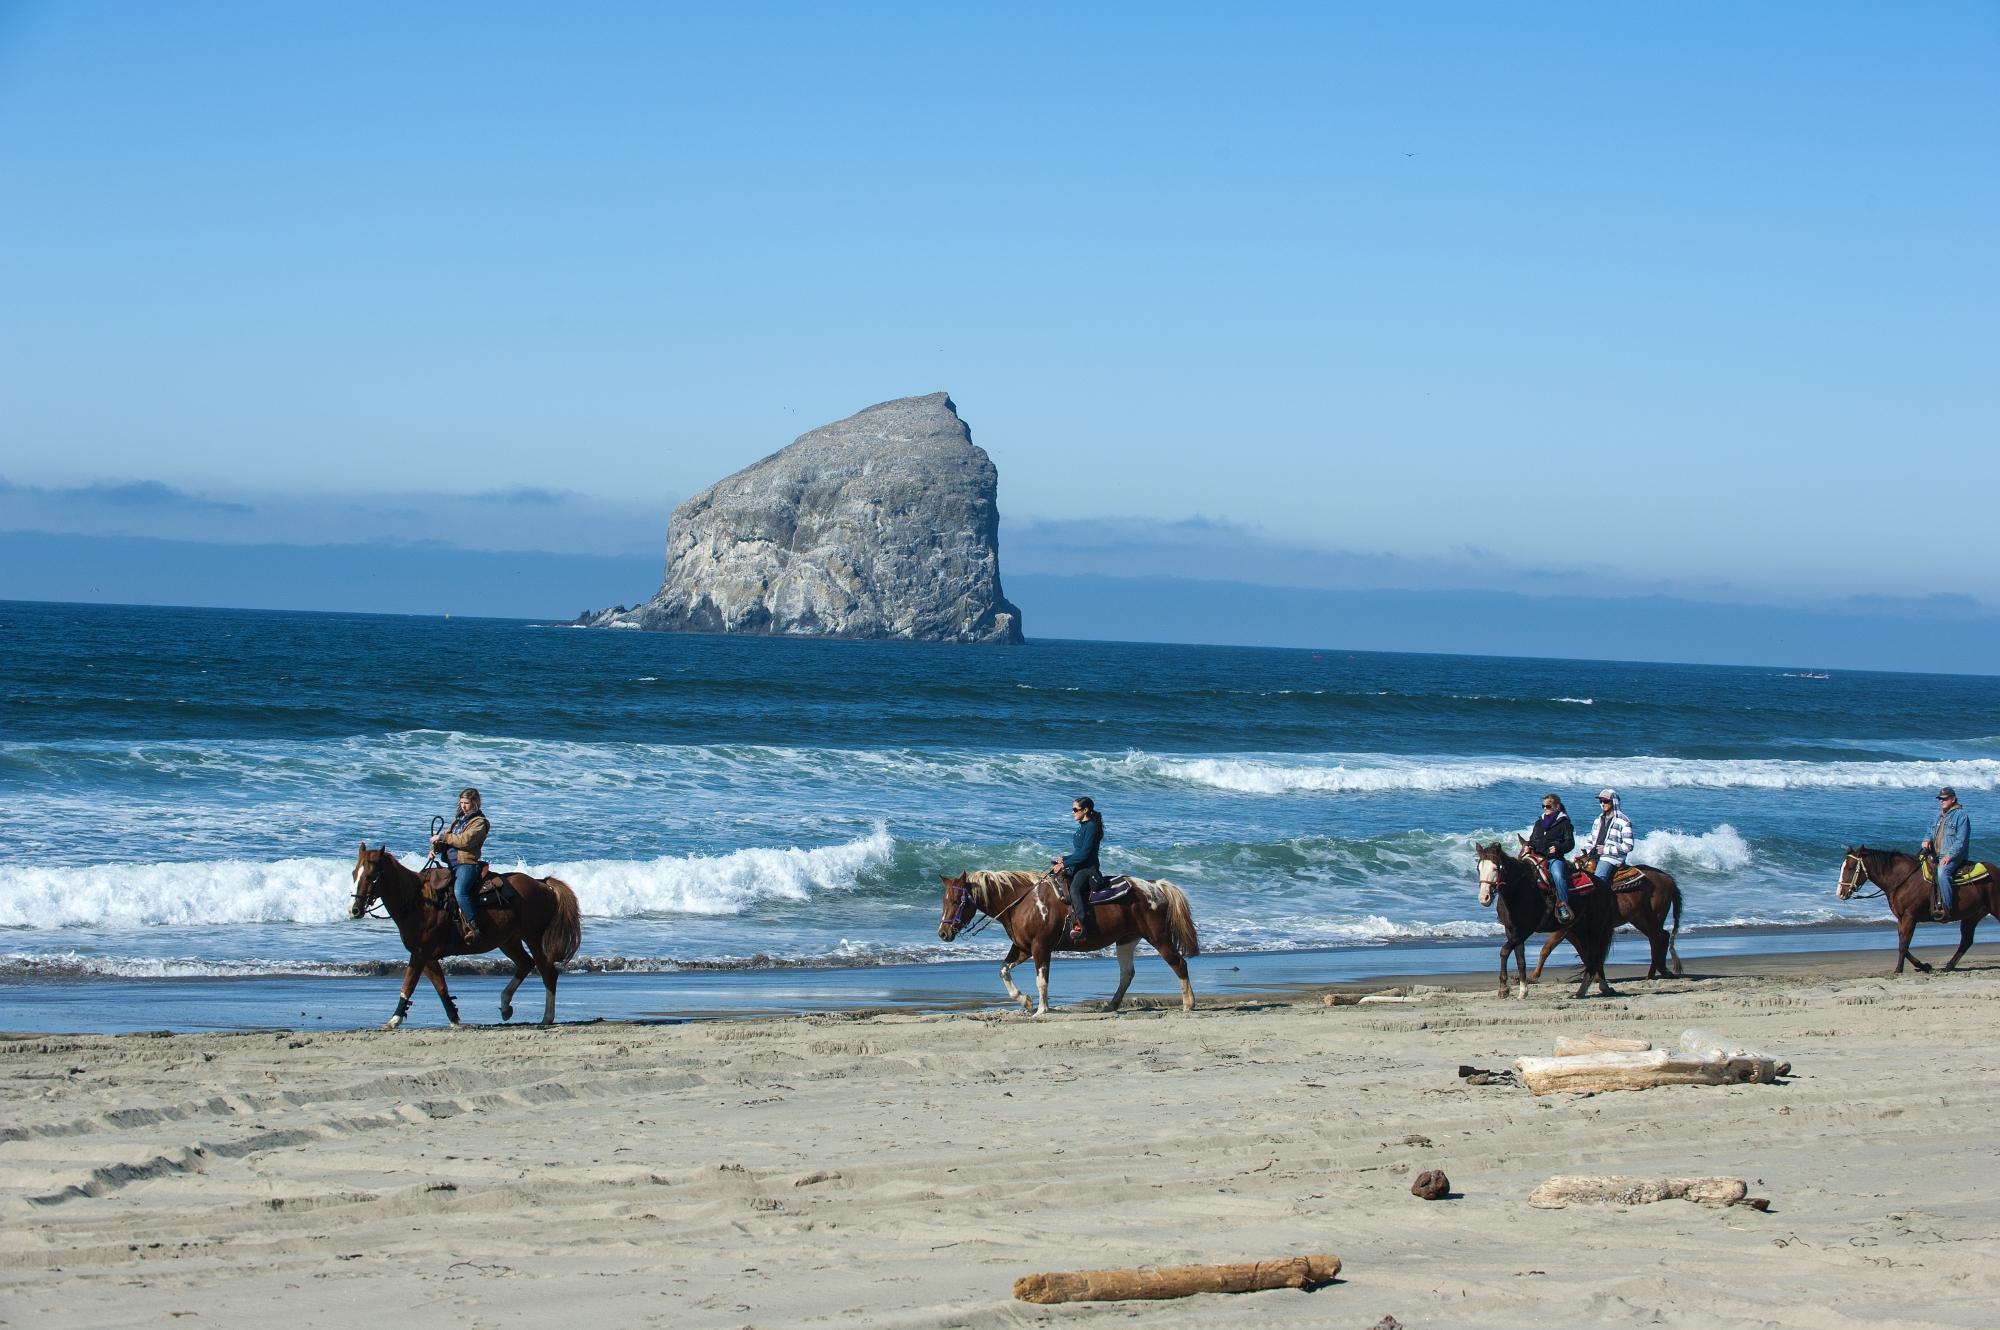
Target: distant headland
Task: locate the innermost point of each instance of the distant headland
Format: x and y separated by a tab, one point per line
883	525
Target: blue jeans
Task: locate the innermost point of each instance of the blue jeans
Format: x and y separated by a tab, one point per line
1944	871
1559	874
1604	872
463	877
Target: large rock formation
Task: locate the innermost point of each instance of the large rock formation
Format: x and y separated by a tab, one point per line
881	525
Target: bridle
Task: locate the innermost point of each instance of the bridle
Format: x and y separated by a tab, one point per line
373	898
960	893
1849	886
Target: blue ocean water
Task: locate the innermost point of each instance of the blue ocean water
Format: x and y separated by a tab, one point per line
182	791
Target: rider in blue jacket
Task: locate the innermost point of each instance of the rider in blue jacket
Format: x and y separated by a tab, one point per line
1081	863
1951	841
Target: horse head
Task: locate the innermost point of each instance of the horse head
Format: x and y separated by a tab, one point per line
958	905
1853	871
367	879
1492	871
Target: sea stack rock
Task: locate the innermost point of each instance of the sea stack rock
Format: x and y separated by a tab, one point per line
882	525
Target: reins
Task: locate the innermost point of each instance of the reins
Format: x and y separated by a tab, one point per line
987	922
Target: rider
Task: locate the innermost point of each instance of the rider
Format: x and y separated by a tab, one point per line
1610	836
1552	838
460	844
1950	842
1081	863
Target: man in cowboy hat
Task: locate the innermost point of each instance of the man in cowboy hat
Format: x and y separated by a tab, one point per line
1950	842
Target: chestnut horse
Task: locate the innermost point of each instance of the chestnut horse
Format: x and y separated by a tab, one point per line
1036	916
1646	904
1526	910
538	930
1901	878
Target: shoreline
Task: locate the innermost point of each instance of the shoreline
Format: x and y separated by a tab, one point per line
207	1004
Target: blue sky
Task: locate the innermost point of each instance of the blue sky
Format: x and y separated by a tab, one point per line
1694	299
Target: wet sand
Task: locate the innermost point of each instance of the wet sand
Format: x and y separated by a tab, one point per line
900	1169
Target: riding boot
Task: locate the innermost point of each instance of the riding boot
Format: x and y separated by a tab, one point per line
1079	907
468	930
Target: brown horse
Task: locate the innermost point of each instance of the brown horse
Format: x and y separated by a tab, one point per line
1525	910
1036	916
1901	878
538	930
1646	904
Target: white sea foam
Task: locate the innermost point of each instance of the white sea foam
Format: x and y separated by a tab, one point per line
722	883
1373	773
1722	850
318	891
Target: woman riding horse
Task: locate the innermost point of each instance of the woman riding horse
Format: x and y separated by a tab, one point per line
1080	864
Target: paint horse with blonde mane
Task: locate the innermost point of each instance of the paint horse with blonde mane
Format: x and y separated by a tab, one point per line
1036	916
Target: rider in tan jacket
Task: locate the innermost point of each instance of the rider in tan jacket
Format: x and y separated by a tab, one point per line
459	844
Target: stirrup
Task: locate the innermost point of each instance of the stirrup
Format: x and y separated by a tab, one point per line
1564	914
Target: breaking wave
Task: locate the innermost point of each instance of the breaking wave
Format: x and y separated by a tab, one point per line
318	891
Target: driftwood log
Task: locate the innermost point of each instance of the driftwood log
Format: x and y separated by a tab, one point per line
1588	1189
1567	1047
1594	1073
1176	1281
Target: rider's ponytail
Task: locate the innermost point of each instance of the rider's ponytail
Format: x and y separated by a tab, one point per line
1089	809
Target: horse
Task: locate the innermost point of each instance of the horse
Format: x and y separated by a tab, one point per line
1036	916
1646	905
1525	910
538	930
1902	882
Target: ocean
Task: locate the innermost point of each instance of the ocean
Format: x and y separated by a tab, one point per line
759	824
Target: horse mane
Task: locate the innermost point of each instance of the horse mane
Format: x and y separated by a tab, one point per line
988	883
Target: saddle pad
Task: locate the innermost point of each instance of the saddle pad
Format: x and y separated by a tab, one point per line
1580	882
1970	873
1120	887
1628	879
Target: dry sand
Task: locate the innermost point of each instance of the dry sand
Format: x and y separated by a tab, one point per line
901	1170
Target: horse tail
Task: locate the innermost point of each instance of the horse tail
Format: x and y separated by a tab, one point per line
1180	920
565	931
1673	951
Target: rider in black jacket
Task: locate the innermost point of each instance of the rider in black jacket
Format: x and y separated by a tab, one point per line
1552	838
1081	862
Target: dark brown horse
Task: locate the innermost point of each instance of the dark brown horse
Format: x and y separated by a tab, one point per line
1525	910
538	929
1036	916
1901	878
1646	903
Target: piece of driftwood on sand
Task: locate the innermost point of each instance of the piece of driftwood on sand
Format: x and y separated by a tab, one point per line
1594	1073
1568	1046
1599	1189
1176	1281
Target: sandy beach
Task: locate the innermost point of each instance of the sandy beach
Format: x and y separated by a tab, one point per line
902	1169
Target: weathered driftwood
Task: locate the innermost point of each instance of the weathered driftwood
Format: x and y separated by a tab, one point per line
1567	1047
1176	1281
1702	1044
1594	1073
1592	1189
1406	999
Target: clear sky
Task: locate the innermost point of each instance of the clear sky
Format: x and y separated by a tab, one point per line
1697	297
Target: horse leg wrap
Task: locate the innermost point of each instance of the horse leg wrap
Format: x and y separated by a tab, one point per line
402	1009
451	1010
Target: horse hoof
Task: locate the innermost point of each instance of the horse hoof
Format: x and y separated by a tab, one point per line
392	1022
506	1011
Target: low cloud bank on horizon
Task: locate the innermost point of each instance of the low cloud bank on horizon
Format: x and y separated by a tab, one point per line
1935	634
631	532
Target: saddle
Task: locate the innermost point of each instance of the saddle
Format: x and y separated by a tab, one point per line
492	891
1627	878
1580	882
1965	876
1114	888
